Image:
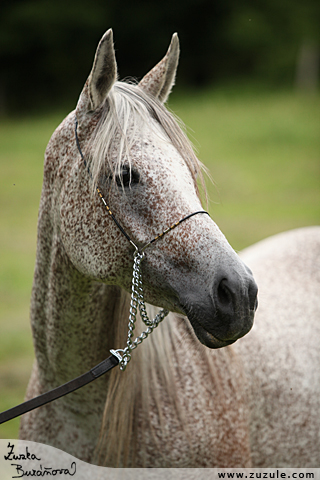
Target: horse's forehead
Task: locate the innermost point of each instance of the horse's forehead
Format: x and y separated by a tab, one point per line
154	151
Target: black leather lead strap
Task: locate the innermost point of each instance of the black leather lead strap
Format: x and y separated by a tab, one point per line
58	392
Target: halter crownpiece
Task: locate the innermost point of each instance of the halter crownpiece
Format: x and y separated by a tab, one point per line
137	300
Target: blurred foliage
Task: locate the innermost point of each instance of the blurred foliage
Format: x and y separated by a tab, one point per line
47	48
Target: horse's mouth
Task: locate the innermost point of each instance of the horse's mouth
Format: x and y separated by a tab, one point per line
221	321
206	337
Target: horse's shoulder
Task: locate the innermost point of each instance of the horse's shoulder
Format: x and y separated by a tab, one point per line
287	270
281	354
285	251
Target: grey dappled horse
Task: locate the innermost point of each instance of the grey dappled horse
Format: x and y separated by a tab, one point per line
179	403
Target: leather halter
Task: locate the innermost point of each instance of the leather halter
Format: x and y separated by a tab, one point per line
109	362
174	225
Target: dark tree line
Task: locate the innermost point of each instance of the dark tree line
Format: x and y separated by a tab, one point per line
47	47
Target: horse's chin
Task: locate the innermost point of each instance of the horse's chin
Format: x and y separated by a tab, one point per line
207	338
210	341
218	325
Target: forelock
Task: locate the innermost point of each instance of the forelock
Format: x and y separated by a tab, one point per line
125	114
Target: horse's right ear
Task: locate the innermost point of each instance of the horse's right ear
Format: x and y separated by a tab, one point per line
102	76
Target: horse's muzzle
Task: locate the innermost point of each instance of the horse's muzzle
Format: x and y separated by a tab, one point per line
225	313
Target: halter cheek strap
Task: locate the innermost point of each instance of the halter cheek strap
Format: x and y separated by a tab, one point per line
160	235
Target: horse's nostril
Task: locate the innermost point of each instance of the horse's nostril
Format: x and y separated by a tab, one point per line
253	295
224	295
228	294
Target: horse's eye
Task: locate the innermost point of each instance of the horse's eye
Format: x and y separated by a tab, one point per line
127	178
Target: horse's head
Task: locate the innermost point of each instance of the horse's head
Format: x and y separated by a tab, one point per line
147	171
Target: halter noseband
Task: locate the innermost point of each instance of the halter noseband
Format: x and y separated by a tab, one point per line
137	300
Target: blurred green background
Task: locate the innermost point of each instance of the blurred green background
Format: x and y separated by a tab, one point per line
247	88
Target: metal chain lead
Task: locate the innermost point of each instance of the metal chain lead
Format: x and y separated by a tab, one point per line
137	302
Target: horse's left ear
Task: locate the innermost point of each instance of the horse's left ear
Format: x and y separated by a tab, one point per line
160	80
102	76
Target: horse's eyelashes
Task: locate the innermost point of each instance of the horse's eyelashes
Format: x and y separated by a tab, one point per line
124	178
127	177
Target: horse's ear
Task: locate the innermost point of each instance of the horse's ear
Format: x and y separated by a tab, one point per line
160	80
103	74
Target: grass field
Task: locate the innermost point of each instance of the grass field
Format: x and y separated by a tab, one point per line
262	150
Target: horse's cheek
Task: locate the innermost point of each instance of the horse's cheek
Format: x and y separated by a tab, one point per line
92	245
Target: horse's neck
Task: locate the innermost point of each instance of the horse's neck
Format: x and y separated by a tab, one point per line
71	315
